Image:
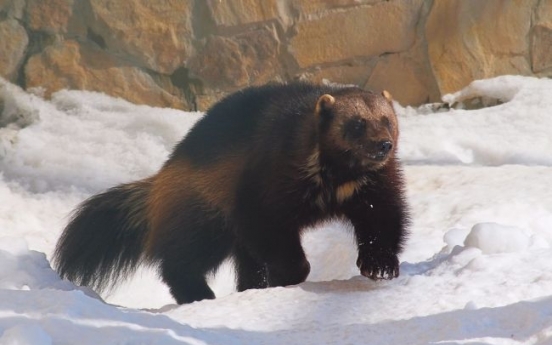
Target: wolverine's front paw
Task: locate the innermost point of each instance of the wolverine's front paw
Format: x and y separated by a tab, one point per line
378	266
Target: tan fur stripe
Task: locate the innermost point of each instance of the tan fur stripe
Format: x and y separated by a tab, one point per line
174	184
311	169
347	190
136	204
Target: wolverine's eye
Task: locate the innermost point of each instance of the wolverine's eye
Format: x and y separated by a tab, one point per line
355	128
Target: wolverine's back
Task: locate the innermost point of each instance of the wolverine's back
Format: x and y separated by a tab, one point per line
246	119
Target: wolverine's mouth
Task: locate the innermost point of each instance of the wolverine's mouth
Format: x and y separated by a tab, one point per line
377	156
374	160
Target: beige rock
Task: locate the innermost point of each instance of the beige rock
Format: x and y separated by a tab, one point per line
238	12
365	31
204	102
13	42
73	66
148	51
541	48
310	7
356	74
404	78
155	34
543	12
12	8
220	64
472	39
49	15
541	38
238	61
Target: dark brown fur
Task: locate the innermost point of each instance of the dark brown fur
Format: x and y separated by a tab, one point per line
257	169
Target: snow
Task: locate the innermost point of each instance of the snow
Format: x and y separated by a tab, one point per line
476	269
493	238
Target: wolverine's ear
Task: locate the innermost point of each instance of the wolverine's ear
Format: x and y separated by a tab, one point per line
324	103
387	96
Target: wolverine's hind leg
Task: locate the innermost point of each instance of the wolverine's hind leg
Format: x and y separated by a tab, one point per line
192	243
271	255
186	286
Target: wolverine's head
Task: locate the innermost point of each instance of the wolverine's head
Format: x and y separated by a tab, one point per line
358	128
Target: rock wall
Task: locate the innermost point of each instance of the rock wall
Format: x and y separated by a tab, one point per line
188	53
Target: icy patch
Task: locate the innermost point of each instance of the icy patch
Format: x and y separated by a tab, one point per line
24	269
14	113
515	132
455	237
25	335
493	238
502	88
85	142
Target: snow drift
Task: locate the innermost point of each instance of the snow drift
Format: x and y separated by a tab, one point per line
476	269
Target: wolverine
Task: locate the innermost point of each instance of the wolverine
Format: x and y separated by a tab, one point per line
257	169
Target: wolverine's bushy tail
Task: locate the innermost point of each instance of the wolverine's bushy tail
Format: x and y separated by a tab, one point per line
104	239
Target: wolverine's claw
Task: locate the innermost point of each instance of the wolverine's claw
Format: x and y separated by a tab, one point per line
379	267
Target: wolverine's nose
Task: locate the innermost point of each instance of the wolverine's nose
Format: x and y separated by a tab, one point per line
384	147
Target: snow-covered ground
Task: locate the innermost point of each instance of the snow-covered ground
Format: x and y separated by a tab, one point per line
477	268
